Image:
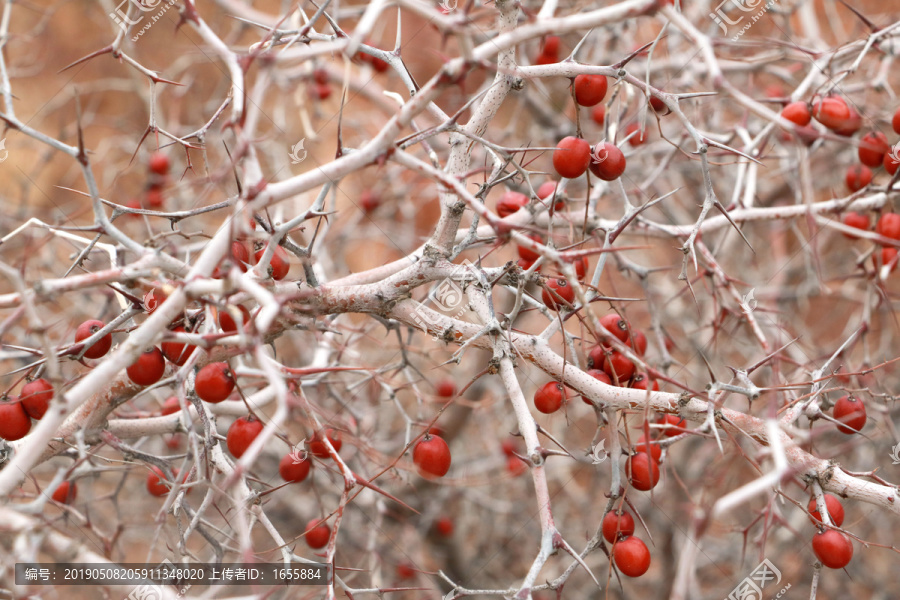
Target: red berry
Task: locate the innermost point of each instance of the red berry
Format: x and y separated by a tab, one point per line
607	161
596	356
657	104
639	136
368	201
797	113
857	220
832	548
545	58
148	368
851	412
292	470
835	510
873	146
511	202
551	45
159	163
379	64
571	157
241	434
858	177
631	556
65	492
320	76
889	257
176	352
652	448
317	534
590	89
322	91
226	321
638	342
581	265
598	114
852	125
35	397
641	381
101	346
832	112
446	388
895	122
240	254
515	466
549	398
526	252
170	406
157	484
526	264
642	471
14	421
214	382
616	325
558	294
600	376
153	197
319	448
432	455
889	226
615	526
278	266
405	571
890	162
508	446
674	425
618	367
546	190
444	526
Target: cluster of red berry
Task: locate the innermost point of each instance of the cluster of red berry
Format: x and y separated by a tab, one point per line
630	553
158	178
833	548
